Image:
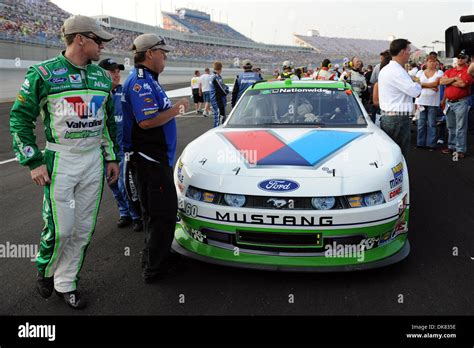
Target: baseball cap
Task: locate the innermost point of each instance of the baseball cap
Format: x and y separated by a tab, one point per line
110	64
147	41
462	54
82	24
247	62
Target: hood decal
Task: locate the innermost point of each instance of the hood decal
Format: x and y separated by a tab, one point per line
266	148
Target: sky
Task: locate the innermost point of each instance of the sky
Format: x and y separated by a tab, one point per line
274	22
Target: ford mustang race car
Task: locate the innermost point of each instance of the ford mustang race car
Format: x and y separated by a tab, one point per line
298	178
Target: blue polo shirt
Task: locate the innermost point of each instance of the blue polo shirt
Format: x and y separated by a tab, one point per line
143	99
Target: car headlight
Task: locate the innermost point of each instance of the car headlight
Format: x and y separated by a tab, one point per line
373	198
234	200
323	203
194	193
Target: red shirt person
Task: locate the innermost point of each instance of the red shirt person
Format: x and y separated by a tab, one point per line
458	82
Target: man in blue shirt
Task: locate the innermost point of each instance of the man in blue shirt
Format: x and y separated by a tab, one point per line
128	214
244	81
149	143
219	91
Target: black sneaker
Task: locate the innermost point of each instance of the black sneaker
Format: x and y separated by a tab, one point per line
73	299
44	285
124	221
137	225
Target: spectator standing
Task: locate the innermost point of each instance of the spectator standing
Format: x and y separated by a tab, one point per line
218	92
128	214
324	73
149	141
458	89
413	70
355	77
244	81
428	103
204	90
396	93
197	97
384	56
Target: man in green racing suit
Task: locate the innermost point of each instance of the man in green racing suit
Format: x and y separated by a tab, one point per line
73	97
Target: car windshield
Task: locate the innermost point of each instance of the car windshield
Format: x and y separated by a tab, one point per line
306	107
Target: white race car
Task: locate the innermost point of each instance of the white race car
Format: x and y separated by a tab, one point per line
298	178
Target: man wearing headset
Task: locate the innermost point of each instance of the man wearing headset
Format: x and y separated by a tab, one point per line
355	77
324	73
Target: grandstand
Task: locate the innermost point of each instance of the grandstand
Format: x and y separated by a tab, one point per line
197	22
335	46
195	36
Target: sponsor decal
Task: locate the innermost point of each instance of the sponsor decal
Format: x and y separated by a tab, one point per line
144	94
278	185
150	112
58	80
60	71
148	100
75	78
385	238
100	84
26	84
118	118
300	90
28	151
21	98
397	175
395	192
84	124
43	71
208	197
83	134
308	150
84	110
147	86
263	219
137	88
180	172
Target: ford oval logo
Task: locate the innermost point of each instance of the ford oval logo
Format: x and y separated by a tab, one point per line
278	185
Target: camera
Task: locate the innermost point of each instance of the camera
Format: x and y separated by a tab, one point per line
457	41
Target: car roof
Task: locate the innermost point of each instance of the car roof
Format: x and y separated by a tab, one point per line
301	84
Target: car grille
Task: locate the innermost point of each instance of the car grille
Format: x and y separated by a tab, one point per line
278	241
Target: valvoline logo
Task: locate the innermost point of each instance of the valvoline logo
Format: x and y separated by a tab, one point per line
278	185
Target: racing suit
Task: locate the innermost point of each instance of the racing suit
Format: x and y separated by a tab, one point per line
242	82
76	109
219	92
324	74
126	208
356	80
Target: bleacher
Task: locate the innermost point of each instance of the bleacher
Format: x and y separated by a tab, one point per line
335	46
186	20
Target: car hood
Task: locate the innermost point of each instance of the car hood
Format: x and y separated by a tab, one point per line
290	152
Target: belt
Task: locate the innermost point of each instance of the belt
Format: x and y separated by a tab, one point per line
452	101
68	149
395	113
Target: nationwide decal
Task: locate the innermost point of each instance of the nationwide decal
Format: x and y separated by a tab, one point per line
58	80
268	149
397	175
75	78
60	71
263	219
83	109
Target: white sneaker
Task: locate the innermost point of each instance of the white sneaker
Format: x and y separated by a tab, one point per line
440	142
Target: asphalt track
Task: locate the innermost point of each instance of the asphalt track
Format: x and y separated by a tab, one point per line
431	280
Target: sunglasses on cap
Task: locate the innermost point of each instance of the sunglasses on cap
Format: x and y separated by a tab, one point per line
93	37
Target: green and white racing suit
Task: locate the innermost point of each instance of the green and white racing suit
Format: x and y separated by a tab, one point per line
77	112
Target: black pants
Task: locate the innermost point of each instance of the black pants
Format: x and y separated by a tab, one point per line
159	205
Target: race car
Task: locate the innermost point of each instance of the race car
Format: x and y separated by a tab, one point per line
298	179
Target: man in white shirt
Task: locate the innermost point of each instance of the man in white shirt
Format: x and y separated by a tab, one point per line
204	90
396	93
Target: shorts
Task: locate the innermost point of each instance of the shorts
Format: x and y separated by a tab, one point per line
196	97
206	96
